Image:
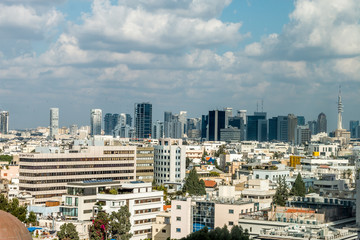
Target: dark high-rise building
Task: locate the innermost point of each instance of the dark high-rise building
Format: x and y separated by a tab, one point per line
108	124
273	124
116	120
353	125
204	123
143	120
238	122
128	120
300	120
282	128
312	127
321	125
256	130
216	122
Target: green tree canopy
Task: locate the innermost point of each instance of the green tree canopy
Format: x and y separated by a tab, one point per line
282	192
100	227
236	233
68	232
299	187
193	185
32	218
120	224
6	158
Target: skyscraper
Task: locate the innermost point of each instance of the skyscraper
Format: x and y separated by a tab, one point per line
273	128
95	121
300	120
321	125
216	122
292	123
228	114
204	124
257	127
4	122
54	121
143	120
353	125
108	124
282	128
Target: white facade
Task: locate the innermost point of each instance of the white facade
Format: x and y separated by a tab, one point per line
181	218
272	175
54	121
45	176
143	203
324	149
169	161
95	121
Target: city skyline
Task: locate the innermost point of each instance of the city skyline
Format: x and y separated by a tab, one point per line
75	56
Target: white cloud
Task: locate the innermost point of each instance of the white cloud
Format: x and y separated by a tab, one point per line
317	29
120	28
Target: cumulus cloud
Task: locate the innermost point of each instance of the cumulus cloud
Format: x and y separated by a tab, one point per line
317	29
122	27
20	25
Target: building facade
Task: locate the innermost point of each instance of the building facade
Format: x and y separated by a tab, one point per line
54	121
95	121
4	122
169	161
145	164
45	176
143	120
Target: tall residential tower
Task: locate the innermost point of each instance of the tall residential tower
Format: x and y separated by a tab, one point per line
143	120
54	122
95	121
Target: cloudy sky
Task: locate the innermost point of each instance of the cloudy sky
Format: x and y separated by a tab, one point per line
193	55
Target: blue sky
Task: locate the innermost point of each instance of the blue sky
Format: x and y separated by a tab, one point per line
192	55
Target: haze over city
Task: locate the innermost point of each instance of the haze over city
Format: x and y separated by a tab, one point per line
190	55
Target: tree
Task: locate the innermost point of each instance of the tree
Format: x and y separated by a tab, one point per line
31	219
6	158
299	187
214	174
113	191
282	192
120	224
192	184
100	227
16	210
236	233
221	150
68	232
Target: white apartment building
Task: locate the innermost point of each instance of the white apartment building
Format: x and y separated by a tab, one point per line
272	175
144	205
45	176
325	150
169	161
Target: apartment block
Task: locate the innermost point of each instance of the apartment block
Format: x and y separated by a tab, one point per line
45	175
170	161
145	164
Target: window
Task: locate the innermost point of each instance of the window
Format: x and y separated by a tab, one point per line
178	230
231	211
178	207
178	218
163	230
231	223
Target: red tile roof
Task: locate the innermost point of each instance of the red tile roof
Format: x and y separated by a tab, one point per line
210	183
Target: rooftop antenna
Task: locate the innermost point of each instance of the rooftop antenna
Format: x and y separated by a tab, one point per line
257	106
262	105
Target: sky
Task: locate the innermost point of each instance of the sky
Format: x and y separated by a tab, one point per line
191	55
